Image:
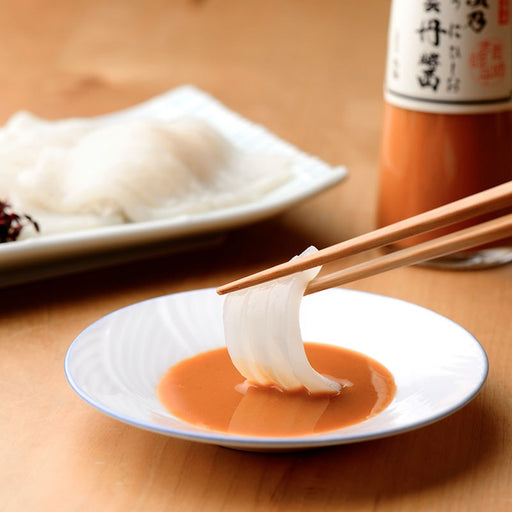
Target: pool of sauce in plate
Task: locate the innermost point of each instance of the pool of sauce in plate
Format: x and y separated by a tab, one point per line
207	391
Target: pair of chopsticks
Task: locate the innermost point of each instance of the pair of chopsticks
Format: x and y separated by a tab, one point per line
488	201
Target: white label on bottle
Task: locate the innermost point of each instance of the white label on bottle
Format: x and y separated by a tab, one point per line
450	56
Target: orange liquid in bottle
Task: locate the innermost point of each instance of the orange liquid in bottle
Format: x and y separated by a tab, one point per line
447	130
428	160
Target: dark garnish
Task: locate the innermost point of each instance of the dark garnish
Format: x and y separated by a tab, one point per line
12	223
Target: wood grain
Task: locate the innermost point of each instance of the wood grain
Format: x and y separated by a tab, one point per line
312	72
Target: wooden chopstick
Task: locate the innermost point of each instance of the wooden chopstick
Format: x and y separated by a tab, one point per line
473	206
474	236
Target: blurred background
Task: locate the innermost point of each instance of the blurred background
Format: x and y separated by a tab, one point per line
290	65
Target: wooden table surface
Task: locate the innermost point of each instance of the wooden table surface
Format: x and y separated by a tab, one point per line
311	71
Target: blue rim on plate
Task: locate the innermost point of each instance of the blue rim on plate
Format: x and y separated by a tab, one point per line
116	363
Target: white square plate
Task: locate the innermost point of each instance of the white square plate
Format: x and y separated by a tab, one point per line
42	256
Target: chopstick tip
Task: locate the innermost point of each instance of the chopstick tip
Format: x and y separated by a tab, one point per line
221	290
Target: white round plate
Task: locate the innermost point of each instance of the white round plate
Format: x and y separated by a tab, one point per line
116	364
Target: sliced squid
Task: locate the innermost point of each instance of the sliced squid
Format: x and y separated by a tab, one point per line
263	336
79	173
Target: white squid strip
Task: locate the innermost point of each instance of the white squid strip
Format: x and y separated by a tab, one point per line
263	337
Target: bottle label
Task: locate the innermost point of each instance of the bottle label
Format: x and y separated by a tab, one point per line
450	56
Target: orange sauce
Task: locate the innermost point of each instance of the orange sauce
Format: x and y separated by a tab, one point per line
207	390
430	159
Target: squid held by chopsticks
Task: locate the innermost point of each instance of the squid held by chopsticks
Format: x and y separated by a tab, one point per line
263	337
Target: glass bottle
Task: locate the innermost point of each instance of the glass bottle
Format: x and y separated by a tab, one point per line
447	130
